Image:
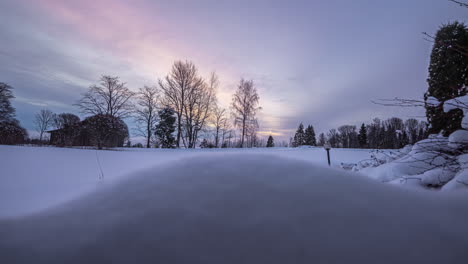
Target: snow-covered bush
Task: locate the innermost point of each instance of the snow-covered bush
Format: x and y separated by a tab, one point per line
379	157
436	162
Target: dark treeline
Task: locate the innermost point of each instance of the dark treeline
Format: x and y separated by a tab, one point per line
393	133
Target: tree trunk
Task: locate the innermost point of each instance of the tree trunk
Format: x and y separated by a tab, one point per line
148	136
40	138
243	133
179	128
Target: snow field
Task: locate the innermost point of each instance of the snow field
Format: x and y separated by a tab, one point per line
243	208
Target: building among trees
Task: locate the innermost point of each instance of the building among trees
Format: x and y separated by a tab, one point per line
102	131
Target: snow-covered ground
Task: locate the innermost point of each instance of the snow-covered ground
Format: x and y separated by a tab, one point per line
217	206
34	178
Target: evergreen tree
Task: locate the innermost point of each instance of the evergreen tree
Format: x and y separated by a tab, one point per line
11	131
309	136
165	128
362	137
7	112
270	142
299	136
448	76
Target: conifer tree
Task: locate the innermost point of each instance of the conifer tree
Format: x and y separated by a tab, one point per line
448	77
362	137
165	128
7	112
270	142
11	131
309	136
299	136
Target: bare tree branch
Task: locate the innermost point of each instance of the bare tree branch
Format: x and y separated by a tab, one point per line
146	112
110	97
459	3
244	108
43	121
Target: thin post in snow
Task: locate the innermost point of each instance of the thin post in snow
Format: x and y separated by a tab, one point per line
327	147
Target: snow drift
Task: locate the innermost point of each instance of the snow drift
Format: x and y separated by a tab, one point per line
436	162
248	208
35	178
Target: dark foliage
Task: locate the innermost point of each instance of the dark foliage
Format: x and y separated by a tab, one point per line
10	130
362	137
270	142
165	128
68	128
7	112
298	139
309	136
11	133
448	77
105	131
392	133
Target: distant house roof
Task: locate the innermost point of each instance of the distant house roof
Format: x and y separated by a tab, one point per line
59	129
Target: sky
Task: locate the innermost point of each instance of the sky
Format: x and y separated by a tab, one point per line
317	62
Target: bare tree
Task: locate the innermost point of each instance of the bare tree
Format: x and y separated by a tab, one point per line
175	86
251	134
68	126
219	120
63	120
244	107
348	135
412	129
226	130
110	97
198	108
146	113
334	138
43	121
191	98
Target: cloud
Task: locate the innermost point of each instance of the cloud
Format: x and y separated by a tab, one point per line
312	61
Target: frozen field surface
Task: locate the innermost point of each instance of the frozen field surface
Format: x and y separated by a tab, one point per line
238	206
34	178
